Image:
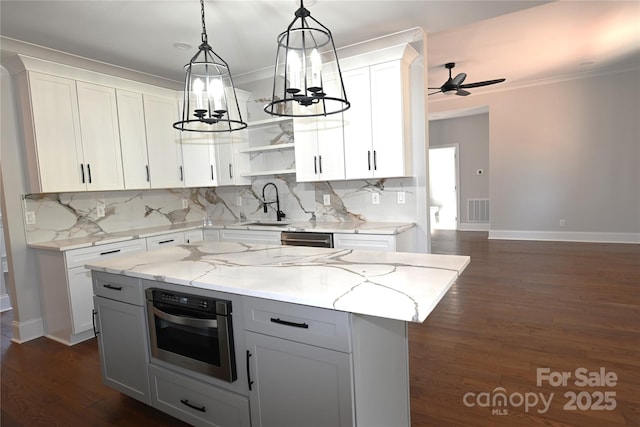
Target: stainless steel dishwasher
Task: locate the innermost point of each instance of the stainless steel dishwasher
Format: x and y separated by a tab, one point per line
305	238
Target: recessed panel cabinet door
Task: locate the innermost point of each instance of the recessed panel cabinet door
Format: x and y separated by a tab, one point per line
122	342
357	125
133	140
297	384
389	118
56	127
163	142
100	137
198	159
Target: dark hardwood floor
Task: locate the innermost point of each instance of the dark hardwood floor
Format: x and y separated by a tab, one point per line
518	308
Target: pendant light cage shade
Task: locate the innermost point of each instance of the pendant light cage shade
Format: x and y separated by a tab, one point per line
209	103
307	78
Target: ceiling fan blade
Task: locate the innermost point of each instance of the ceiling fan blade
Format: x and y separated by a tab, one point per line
433	93
479	84
462	92
433	88
457	80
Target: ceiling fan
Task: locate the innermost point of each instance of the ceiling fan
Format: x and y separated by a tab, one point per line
455	84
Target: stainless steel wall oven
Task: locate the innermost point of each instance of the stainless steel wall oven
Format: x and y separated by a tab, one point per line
192	331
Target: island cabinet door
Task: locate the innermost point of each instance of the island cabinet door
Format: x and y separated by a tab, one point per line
122	342
294	384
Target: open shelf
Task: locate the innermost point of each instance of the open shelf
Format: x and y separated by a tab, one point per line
267	122
263	148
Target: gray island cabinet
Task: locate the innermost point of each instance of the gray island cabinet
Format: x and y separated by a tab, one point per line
319	335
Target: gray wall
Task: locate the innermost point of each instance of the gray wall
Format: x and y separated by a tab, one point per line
564	150
22	278
471	135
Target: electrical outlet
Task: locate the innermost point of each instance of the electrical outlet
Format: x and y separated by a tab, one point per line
326	199
185	203
401	197
100	209
30	217
375	198
563	223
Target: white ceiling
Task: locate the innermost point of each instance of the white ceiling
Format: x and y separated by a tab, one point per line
522	41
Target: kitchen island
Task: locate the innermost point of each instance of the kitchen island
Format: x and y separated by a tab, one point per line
320	335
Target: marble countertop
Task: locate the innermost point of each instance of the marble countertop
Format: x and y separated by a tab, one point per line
402	286
313	226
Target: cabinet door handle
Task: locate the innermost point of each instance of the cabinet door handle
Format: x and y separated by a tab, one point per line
230	171
162	242
181	174
320	163
114	288
287	323
115	251
369	159
147	167
249	381
89	172
82	172
315	164
212	178
375	162
192	406
93	319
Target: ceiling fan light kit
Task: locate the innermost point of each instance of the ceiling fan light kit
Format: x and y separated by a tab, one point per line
454	85
306	60
210	103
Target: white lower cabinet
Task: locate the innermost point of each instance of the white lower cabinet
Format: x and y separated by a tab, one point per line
402	242
172	239
298	384
66	289
121	330
195	402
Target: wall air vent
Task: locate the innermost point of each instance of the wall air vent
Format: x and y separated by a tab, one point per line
478	210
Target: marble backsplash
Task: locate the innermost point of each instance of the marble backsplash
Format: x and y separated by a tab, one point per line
70	215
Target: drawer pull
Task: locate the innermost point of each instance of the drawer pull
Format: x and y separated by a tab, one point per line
162	242
287	323
192	406
115	288
115	251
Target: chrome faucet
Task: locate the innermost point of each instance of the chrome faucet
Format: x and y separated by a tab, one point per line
279	213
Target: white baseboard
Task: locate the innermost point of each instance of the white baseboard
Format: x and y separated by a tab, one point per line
27	331
565	236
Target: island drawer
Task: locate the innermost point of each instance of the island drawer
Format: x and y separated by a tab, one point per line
119	288
195	402
310	325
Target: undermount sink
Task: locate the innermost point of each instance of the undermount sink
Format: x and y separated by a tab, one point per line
267	224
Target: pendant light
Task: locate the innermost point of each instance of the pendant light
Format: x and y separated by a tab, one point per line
307	80
210	103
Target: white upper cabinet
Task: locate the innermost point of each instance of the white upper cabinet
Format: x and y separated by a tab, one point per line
319	147
198	157
72	135
377	128
133	140
228	146
52	132
163	142
100	136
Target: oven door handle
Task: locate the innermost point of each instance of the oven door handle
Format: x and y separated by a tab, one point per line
186	321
